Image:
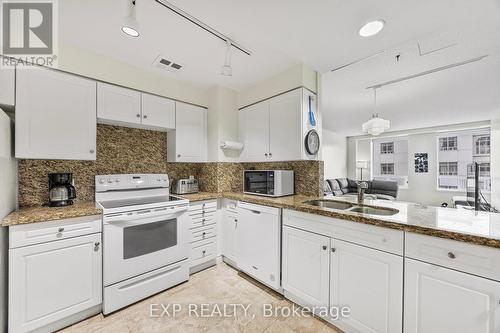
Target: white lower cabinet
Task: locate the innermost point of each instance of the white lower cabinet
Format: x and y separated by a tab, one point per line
258	245
305	267
203	234
439	300
51	281
370	282
229	226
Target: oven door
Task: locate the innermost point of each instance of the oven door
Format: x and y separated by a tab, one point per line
142	241
259	182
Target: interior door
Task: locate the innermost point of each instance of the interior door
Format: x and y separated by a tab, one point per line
158	112
438	299
117	105
306	267
51	281
370	282
55	115
285	128
254	127
191	133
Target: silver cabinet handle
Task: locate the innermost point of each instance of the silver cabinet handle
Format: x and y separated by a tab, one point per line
270	154
60	229
204	252
96	246
451	255
138	115
145	116
255	211
92	151
324	247
265	154
178	155
333	249
235	223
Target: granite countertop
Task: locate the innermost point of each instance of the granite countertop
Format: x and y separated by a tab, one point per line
200	196
481	228
42	214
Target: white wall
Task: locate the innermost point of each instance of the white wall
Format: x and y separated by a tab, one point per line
83	62
8	202
222	124
294	77
334	155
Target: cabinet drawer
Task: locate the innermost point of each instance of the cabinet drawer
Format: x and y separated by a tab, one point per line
474	259
379	238
229	205
35	233
201	251
202	221
203	214
204	233
203	205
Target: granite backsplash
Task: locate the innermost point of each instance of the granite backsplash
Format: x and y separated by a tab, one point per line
130	150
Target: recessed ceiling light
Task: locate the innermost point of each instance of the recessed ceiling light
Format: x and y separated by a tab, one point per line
371	28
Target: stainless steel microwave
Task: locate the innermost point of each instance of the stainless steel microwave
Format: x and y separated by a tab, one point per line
271	183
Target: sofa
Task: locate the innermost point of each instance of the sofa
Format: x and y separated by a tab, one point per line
377	189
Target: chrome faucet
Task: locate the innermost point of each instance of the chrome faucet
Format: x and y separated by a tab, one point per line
362	187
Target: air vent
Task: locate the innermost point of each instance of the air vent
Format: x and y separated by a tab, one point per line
169	65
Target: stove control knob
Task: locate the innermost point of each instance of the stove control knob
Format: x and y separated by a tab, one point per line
101	181
117	180
110	180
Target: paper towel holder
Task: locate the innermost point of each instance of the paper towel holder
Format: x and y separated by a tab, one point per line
231	145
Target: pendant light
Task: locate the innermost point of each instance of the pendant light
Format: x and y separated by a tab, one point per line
376	125
130	25
227	70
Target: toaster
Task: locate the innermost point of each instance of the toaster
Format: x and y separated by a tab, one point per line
185	186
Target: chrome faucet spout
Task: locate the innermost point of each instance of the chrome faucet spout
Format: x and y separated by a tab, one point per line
362	187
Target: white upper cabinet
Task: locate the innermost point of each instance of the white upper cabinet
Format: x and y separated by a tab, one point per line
438	299
188	143
275	129
55	115
7	85
158	112
254	132
118	105
370	282
285	140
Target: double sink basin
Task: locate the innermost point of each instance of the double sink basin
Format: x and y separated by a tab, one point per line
355	208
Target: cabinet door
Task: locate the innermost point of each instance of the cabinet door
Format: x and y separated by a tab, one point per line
258	244
55	115
158	112
229	225
438	299
370	282
118	105
254	126
190	133
7	86
305	267
54	280
285	131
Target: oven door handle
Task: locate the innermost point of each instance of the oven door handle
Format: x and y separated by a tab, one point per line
145	217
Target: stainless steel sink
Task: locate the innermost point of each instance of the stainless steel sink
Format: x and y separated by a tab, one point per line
374	210
332	204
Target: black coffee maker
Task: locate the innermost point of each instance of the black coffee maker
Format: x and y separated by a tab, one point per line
61	189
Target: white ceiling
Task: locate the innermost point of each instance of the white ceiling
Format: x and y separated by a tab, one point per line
323	35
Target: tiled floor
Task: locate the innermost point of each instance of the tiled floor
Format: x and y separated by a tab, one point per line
217	285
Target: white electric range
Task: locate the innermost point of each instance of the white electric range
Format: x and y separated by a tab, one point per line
145	237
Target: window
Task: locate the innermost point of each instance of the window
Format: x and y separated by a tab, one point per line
484	170
456	152
387	168
387	148
448	143
481	144
448	168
